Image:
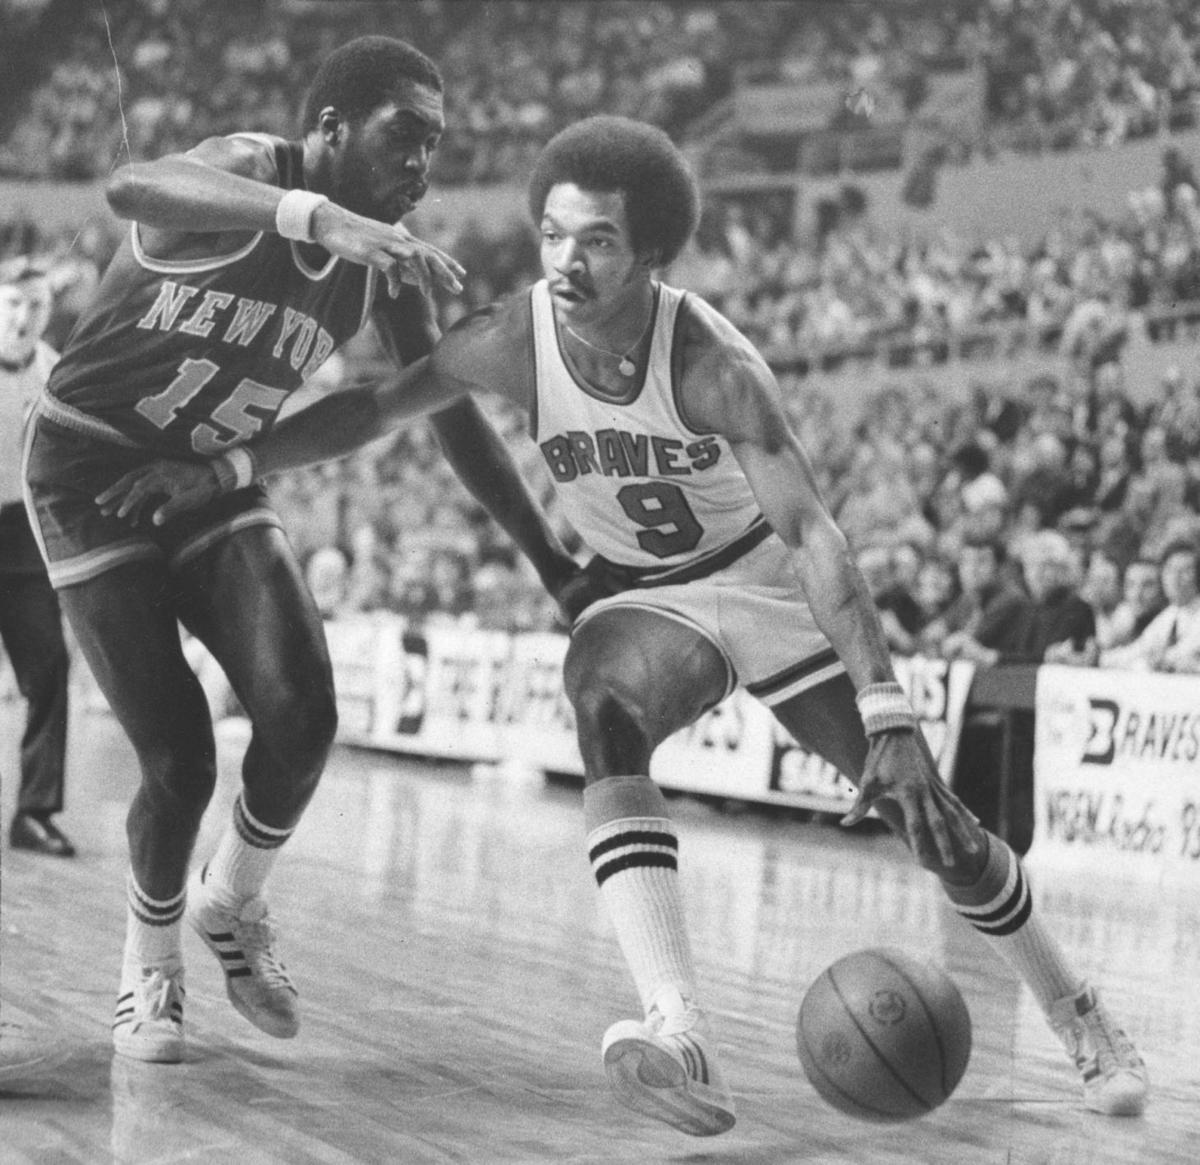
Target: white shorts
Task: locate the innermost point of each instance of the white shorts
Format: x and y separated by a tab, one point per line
754	613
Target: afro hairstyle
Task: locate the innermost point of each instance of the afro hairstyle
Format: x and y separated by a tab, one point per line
632	158
360	75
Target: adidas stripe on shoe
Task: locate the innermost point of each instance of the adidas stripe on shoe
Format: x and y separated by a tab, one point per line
664	1067
148	1024
243	939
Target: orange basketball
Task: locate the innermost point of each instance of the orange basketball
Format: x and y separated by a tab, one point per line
883	1036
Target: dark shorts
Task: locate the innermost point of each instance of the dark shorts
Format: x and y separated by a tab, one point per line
65	470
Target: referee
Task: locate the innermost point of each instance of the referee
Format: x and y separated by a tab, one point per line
30	623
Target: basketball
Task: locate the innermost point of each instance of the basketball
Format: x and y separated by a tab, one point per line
884	1036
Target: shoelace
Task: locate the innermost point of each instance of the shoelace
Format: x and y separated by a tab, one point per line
257	939
673	1025
155	991
1113	1047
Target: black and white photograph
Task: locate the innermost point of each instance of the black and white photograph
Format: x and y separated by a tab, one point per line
599	581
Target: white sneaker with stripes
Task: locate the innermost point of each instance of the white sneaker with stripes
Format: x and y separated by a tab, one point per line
243	940
148	1024
1115	1081
665	1067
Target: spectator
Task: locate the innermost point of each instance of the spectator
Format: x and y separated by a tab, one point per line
1171	641
987	601
1051	613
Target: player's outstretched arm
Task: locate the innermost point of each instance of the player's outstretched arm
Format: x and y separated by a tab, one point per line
330	428
228	185
729	389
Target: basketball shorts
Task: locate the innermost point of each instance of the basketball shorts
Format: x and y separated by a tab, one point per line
65	470
754	613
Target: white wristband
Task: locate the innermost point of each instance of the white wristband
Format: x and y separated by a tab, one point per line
235	469
884	707
293	215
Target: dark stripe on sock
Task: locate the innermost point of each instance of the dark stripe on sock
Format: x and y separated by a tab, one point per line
251	834
633	837
1017	921
630	861
160	921
1009	904
143	906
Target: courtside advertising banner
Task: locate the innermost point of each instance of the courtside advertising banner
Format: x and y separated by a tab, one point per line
1117	772
486	696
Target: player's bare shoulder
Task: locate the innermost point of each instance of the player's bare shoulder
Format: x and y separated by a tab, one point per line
491	349
724	382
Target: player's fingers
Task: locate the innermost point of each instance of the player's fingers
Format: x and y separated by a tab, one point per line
108	499
445	275
858	811
135	497
178	504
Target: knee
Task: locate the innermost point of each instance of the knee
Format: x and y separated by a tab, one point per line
298	723
177	783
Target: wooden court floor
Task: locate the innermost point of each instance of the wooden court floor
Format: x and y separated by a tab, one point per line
457	975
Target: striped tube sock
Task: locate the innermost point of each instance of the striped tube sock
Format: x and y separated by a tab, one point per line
245	855
1000	906
633	850
152	933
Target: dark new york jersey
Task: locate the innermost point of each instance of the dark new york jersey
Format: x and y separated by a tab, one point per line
191	357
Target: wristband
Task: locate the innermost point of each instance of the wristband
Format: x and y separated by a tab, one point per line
885	707
235	469
293	215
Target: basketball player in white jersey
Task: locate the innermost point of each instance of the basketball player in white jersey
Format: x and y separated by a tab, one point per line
718	563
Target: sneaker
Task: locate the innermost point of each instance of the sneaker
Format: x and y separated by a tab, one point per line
243	940
148	1024
1114	1078
664	1067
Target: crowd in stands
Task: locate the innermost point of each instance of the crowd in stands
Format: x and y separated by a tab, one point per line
1049	518
854	287
89	84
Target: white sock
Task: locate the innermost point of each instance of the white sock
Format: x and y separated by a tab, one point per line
1000	906
244	858
152	927
633	851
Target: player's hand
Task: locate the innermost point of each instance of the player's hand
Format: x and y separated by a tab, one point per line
393	250
575	594
186	485
901	781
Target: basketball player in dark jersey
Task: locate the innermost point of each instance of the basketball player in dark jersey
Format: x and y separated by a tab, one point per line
665	433
249	260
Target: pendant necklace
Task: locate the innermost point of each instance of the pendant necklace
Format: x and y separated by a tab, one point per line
626	367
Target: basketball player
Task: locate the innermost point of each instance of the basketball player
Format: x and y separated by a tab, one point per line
666	437
250	259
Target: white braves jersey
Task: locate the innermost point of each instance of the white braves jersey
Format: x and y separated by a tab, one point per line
640	486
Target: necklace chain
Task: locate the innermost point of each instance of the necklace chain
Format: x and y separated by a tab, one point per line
626	367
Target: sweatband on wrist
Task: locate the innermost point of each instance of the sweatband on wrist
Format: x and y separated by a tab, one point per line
235	469
885	707
293	215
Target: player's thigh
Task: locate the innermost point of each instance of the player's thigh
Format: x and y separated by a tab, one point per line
126	625
661	672
825	719
245	598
